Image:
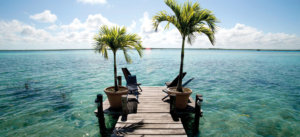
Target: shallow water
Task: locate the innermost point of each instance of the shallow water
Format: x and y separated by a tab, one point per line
246	93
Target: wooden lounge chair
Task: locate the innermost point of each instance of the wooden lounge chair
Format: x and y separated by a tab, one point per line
174	83
133	86
126	74
183	85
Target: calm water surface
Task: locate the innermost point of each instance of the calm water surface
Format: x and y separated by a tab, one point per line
246	93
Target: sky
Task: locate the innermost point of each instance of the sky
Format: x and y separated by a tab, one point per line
72	24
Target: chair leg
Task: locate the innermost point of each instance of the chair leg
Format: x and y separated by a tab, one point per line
137	97
140	88
165	97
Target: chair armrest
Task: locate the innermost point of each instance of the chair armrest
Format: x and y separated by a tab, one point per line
165	90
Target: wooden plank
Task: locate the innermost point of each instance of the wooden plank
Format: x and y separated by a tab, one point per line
153	125
157	106
149	116
155	103
151	99
141	105
158	96
152	91
152	87
120	131
155	121
143	135
153	110
149	107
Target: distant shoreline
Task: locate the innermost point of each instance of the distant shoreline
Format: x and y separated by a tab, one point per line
162	49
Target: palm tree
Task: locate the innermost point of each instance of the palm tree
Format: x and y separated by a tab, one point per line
115	38
189	19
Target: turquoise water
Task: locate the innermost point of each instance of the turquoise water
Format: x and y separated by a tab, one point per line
246	93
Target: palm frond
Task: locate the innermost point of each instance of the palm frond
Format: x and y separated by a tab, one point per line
191	38
134	42
127	57
209	18
208	32
176	8
187	18
116	38
163	16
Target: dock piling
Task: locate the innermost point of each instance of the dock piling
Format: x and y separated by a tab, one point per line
198	113
125	110
173	107
119	80
100	114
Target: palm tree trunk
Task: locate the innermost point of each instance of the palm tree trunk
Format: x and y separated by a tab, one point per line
179	85
115	73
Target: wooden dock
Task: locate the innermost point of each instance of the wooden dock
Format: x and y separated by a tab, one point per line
152	117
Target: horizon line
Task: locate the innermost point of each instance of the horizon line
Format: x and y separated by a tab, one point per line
154	49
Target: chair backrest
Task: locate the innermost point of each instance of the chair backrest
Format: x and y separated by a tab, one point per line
126	73
175	81
132	83
187	82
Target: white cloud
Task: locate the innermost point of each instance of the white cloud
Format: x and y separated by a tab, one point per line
14	31
94	21
246	37
52	27
78	31
46	17
92	1
238	37
146	26
79	34
132	26
73	26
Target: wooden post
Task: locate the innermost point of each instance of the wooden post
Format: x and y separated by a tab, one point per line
124	108
172	98
100	114
173	107
124	105
119	80
198	113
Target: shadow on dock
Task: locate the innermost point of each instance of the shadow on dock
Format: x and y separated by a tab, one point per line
128	128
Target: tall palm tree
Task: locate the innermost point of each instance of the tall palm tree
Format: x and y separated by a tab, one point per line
189	19
116	38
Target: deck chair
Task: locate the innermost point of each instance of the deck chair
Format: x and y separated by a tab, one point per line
133	86
126	74
183	85
173	83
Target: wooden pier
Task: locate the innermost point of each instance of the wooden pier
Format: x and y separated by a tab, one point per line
151	117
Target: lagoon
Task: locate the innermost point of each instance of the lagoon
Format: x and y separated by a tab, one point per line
246	93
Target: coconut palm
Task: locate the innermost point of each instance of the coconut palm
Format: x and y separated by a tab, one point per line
189	19
116	38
